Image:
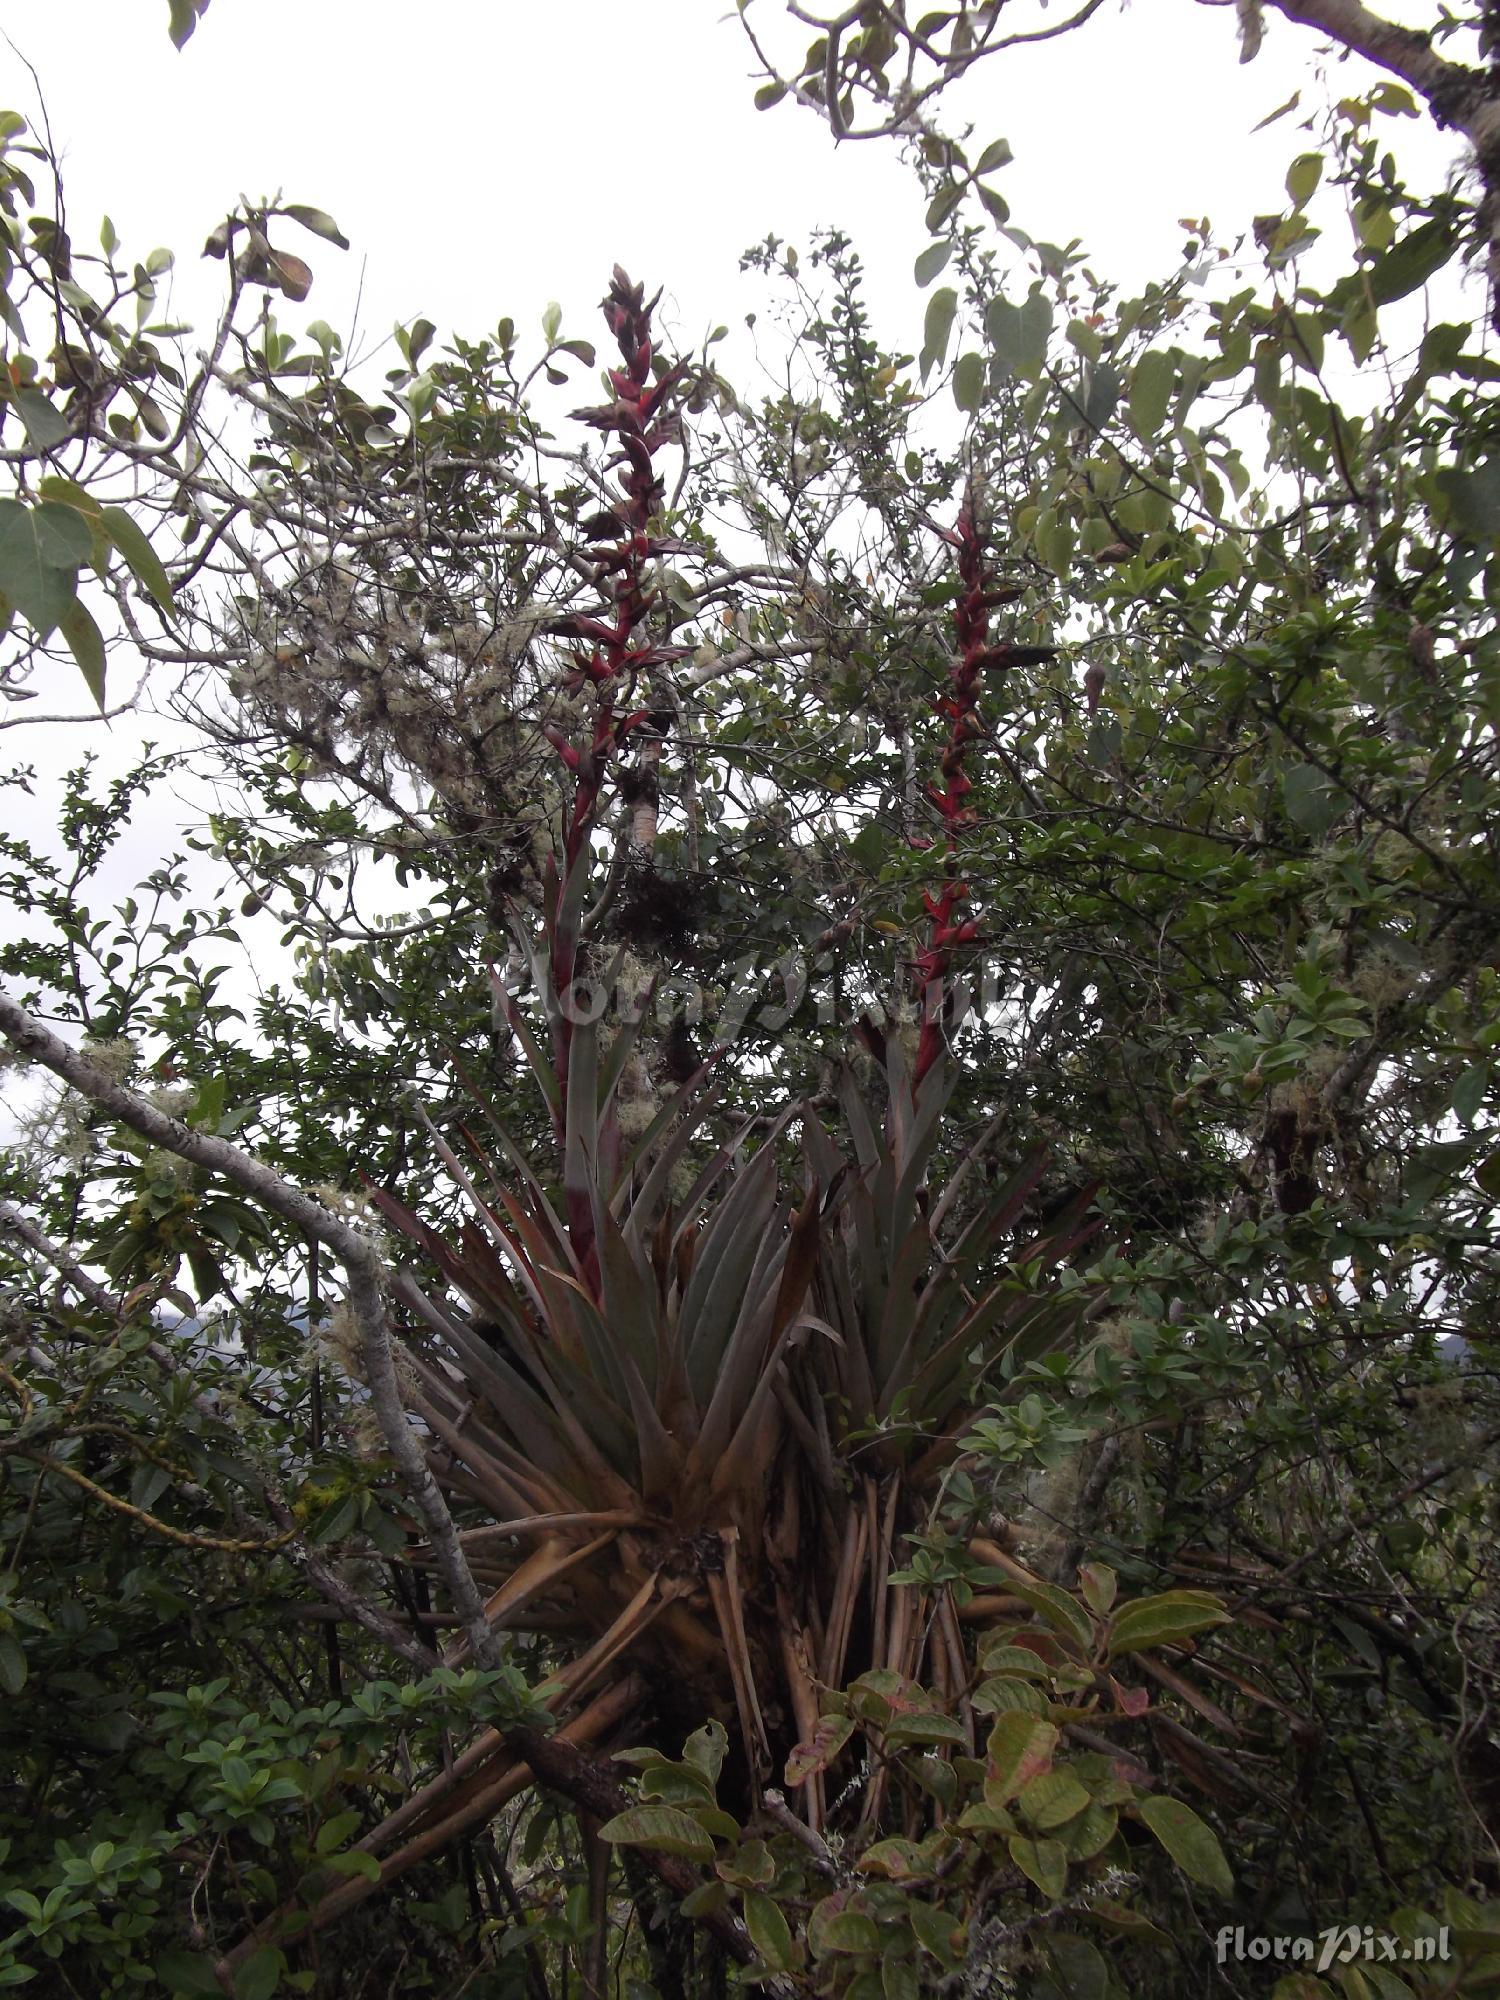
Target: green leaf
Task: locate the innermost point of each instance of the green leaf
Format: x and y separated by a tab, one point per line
552	321
705	1749
1062	1612
701	1902
354	1861
870	845
12	1665
1121	1921
1041	1861
1019	334
41	549
1093	1829
841	1930
661	1827
334	1832
292	273
820	1749
1020	1747
71	494
1302	177
417	340
1151	387
995	156
1052	1798
1004	1691
259	1977
1469	1092
937	326
929	1727
1077	1967
63	536
968	382
320	223
1407	265
1103	394
1471	499
45	425
86	644
1098	1583
994	204
139	556
769	94
942	206
931	261
1191	1844
769	1931
898	1972
939	1933
1313	802
894	1860
1162	1620
189	1972
184	18
1280	112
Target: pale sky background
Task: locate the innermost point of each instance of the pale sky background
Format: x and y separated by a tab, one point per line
484	159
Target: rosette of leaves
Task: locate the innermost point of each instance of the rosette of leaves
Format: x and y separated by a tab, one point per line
702	1424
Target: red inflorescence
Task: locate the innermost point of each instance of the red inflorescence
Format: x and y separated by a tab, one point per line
641	420
959	704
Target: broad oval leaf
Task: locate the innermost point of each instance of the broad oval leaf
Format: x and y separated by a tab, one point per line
1098	1583
1192	1844
968	382
937	328
1041	1861
662	1827
1020	1748
842	1930
1150	394
45	424
139	556
1313	802
259	1977
12	1665
705	1749
1005	1691
1302	177
38	567
1077	1967
1161	1621
318	221
818	1751
86	644
931	261
1052	1798
769	1931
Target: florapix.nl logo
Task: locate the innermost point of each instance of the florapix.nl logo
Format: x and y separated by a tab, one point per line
1338	1944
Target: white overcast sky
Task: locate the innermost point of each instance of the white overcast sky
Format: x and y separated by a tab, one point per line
486	158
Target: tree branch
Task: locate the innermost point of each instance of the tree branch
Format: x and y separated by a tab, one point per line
554	1762
364	1270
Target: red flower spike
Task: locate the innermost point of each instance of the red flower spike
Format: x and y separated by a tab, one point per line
958	706
609	646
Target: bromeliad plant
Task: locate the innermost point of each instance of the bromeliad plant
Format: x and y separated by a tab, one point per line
696	1406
